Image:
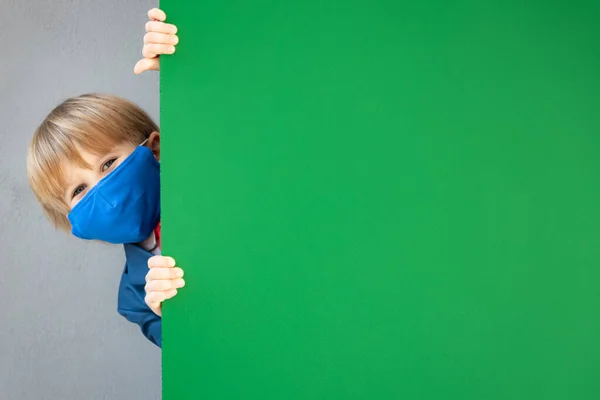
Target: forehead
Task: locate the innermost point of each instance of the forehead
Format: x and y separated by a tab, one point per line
85	160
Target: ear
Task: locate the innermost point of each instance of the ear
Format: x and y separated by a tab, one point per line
154	144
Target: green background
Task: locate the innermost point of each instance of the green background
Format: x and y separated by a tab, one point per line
382	199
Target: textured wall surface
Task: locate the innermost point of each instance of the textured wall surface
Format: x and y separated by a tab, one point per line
60	334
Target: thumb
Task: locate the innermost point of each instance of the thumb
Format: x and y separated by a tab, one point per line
156	308
146	64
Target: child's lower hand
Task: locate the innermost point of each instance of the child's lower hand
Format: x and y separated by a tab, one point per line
159	39
162	281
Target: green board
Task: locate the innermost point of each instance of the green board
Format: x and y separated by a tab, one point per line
383	199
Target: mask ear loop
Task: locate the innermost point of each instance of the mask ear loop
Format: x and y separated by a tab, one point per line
144	142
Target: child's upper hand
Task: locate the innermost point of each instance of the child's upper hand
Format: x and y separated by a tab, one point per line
159	39
162	281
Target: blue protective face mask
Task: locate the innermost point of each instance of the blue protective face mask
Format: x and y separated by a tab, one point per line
124	207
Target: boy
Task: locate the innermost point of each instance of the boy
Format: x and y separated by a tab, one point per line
93	165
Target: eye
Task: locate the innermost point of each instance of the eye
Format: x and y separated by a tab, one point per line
78	190
108	164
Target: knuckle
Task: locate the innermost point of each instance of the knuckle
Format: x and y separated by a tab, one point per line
153	298
154	261
153	37
148	288
161	286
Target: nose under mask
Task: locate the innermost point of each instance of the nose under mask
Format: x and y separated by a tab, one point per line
124	207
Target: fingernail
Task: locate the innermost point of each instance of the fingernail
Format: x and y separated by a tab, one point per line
171	49
171	262
179	272
179	283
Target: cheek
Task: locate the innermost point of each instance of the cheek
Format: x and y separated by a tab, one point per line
74	202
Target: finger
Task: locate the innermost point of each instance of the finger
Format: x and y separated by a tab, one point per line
161	262
161	27
160	38
146	64
152	50
157	14
154	299
164	285
163	273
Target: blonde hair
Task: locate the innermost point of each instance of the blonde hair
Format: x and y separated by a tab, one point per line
94	122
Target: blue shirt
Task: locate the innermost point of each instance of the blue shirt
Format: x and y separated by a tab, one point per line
131	303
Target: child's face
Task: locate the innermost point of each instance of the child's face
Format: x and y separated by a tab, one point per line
80	180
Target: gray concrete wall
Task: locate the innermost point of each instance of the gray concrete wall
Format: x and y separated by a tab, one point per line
60	335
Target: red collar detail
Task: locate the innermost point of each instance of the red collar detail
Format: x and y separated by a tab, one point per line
157	235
